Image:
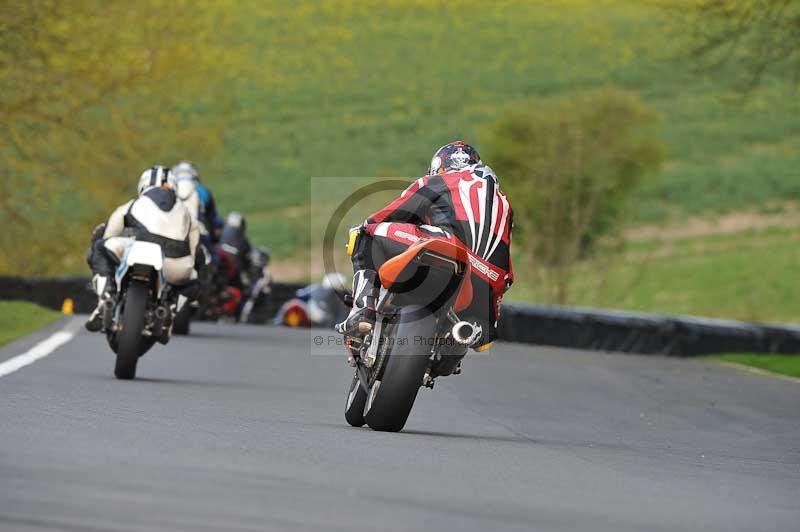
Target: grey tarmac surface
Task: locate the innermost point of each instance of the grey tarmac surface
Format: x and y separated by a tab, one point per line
241	428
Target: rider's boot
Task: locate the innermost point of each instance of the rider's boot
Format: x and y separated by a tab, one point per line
365	294
104	287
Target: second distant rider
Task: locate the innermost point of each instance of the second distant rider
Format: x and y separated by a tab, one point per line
200	201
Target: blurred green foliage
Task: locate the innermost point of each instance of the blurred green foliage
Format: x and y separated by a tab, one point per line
756	37
91	93
572	165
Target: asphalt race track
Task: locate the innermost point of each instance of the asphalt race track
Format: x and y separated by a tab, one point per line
241	428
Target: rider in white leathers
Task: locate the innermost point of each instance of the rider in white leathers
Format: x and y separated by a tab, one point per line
158	216
186	189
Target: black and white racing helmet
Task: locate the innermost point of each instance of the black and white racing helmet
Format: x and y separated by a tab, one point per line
154	177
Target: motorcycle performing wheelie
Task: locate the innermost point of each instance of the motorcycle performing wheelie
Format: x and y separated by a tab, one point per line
145	260
430	271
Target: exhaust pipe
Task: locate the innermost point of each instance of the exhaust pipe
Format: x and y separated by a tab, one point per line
163	319
161	313
162	323
465	333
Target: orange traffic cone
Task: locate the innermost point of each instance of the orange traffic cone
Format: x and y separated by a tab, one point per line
68	307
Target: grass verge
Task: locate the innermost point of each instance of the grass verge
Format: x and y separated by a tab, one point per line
18	318
780	364
749	276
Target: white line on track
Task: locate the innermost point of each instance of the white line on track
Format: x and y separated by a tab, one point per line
40	350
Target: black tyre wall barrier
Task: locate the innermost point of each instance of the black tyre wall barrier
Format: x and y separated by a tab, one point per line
50	292
634	332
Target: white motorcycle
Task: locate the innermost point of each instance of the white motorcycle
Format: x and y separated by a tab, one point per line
140	313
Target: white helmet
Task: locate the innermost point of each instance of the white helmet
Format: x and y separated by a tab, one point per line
186	169
155	177
236	220
186	178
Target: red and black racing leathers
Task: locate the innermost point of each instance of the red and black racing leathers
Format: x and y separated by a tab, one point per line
466	206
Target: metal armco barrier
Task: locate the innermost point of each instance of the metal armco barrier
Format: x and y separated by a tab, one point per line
581	328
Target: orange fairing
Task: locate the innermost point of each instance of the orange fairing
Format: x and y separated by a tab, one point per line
393	267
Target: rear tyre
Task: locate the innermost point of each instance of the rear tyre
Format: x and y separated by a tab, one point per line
183	319
390	399
130	342
356	400
113	341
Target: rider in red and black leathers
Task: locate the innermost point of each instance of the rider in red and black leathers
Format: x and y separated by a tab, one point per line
459	200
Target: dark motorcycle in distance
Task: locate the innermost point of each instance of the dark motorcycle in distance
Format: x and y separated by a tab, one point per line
218	299
417	336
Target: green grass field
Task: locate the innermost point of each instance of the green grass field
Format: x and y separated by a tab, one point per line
18	318
780	364
747	276
372	91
